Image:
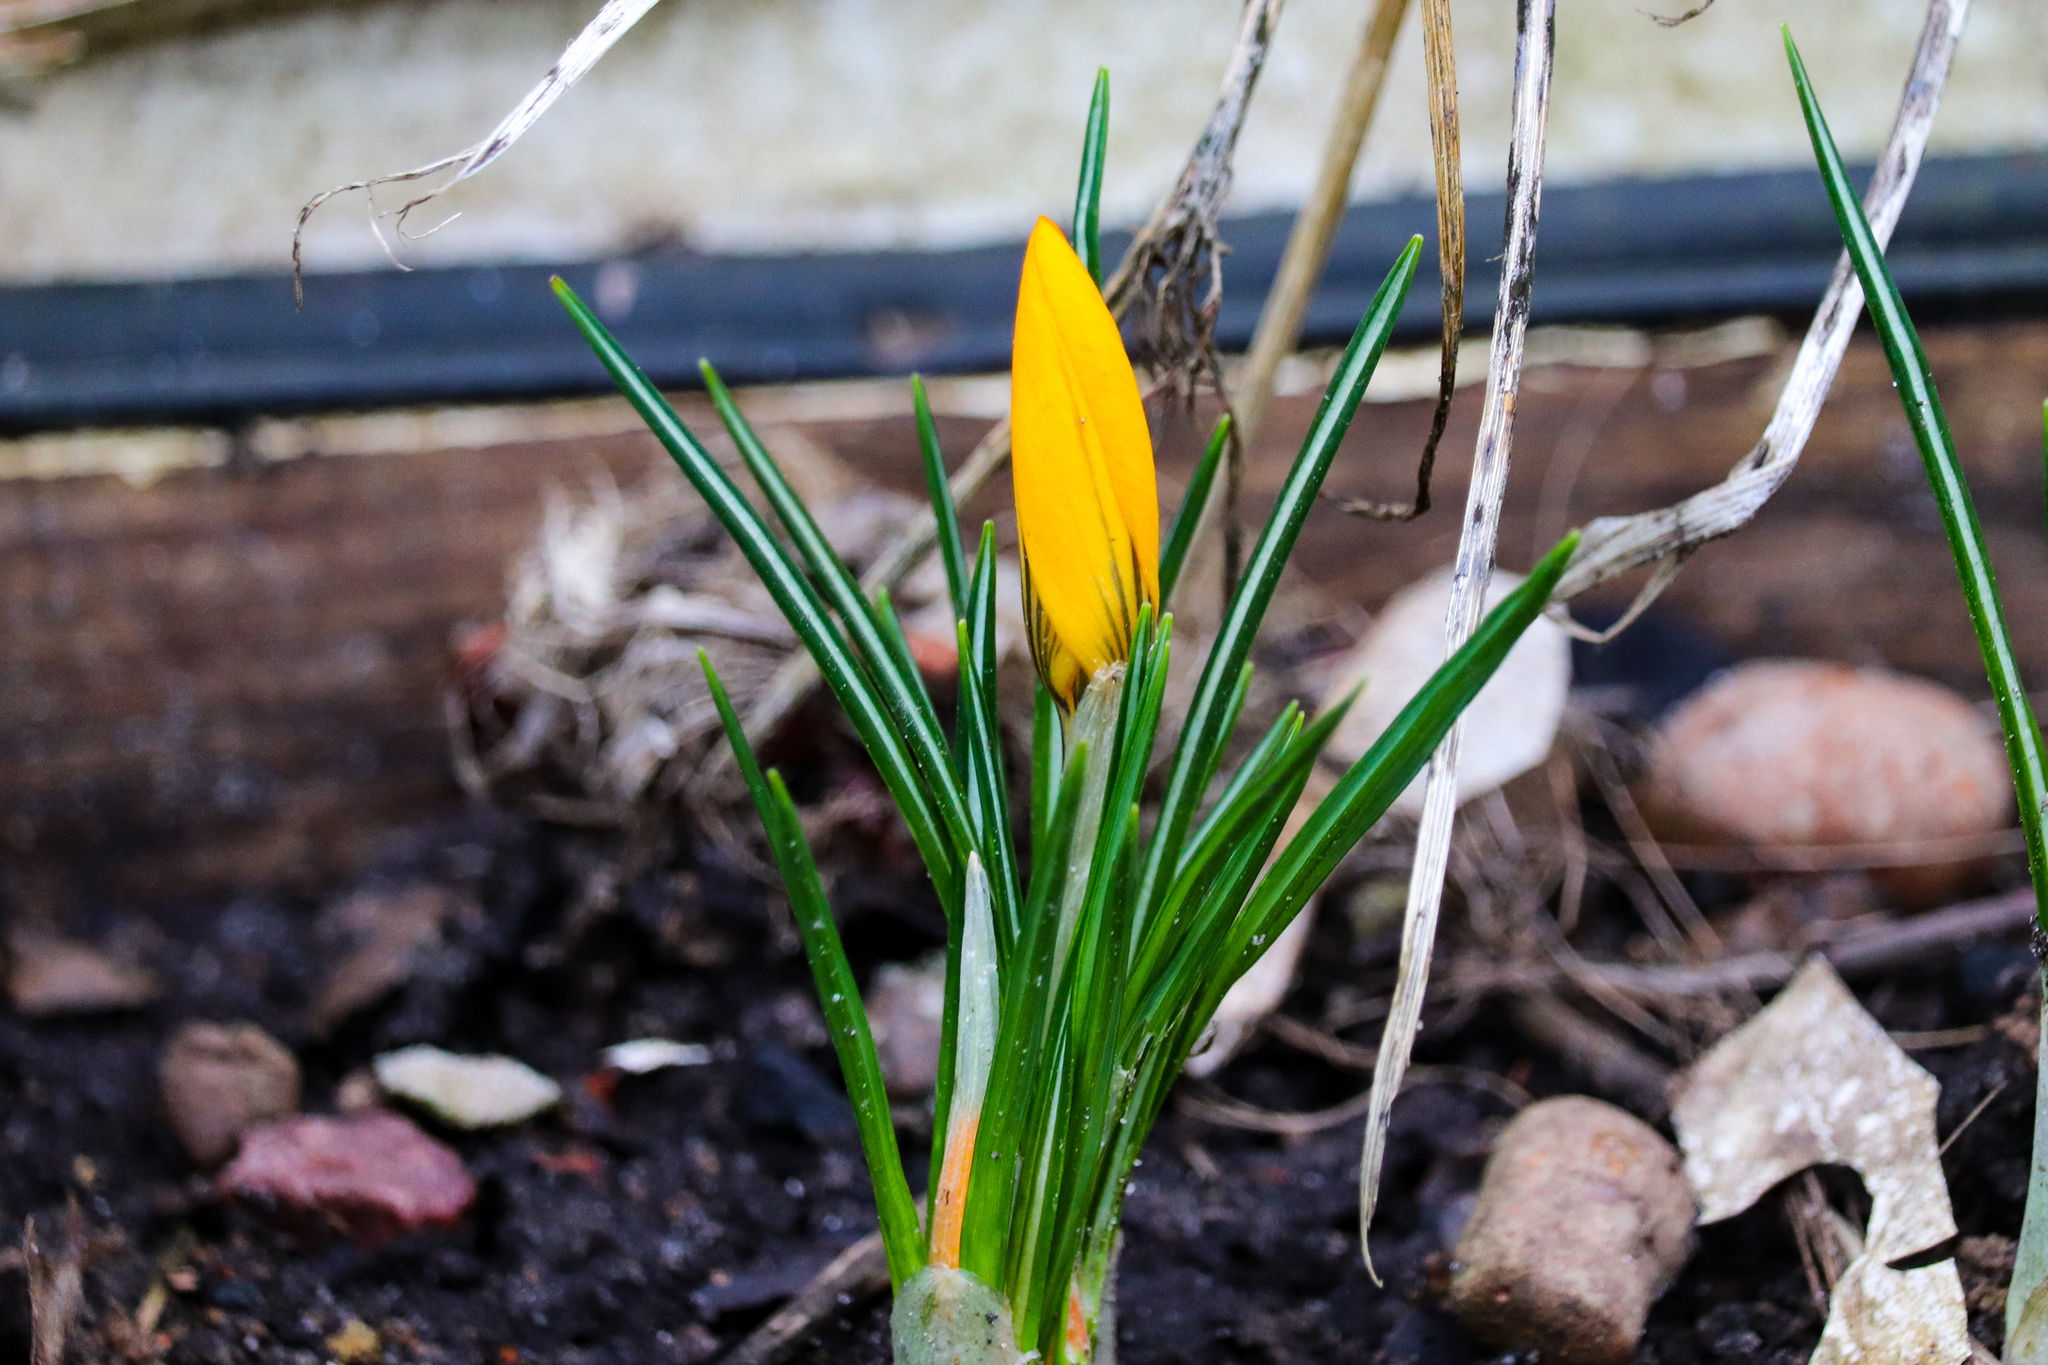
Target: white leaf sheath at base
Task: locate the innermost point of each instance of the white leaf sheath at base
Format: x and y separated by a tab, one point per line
949	1317
974	1054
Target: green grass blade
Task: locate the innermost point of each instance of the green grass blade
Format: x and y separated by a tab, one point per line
1087	234
838	993
981	741
1201	735
794	596
2027	1304
1048	741
890	626
1255	764
1219	873
1914	379
941	492
1181	535
897	681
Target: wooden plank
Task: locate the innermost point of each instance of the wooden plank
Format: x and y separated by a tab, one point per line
231	679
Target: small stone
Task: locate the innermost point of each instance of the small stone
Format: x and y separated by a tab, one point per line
466	1092
1584	1218
906	1005
49	976
1796	753
355	1344
370	1177
358	1092
218	1080
644	1055
382	937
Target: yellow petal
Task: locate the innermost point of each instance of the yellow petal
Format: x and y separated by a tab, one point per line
1081	462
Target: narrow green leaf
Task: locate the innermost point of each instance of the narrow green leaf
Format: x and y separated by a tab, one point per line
838	993
1913	377
1048	740
793	594
1181	535
1209	894
1255	765
1201	734
940	491
1363	794
890	626
896	679
1031	1235
1087	234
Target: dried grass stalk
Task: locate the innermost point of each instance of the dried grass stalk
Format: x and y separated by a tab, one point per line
1472	571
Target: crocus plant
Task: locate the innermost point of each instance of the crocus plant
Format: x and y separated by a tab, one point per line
1087	952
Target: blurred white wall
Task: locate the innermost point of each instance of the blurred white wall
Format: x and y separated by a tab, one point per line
782	124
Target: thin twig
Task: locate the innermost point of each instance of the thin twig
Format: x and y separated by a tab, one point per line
1843	857
856	1274
1641	842
1474	569
1319	1043
1615	545
1609	1062
1674	20
1564	794
1179	245
1971	1117
592	43
1203	1100
1590	415
1881	948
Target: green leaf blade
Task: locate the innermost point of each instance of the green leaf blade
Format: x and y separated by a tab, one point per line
1180	537
793	594
1201	735
940	490
838	994
1087	234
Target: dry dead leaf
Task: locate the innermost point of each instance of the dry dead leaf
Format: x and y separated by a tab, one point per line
1814	1080
1510	725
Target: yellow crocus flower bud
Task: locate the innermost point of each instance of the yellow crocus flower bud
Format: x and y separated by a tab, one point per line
1081	463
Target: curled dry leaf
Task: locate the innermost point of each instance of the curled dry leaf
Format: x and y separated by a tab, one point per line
1509	727
1813	1080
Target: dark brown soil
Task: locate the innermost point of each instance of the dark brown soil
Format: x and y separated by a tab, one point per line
662	1220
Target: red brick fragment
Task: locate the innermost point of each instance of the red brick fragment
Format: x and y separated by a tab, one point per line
369	1177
